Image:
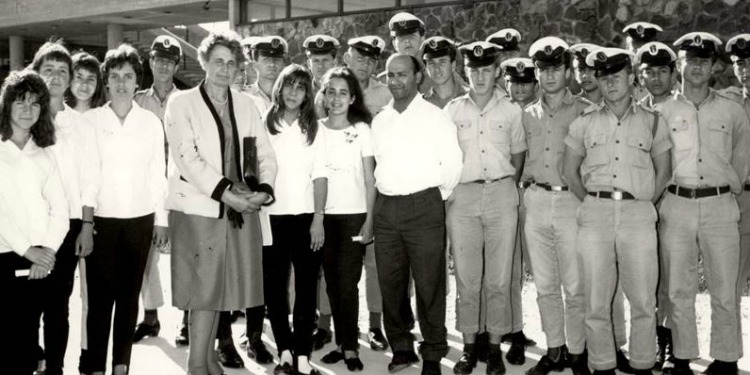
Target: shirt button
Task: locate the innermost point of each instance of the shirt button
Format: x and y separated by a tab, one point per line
483	151
617	141
549	131
618	124
701	177
617	158
614	176
551	116
481	132
674	129
547	148
546	166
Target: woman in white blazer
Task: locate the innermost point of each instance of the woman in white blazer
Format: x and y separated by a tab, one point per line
222	170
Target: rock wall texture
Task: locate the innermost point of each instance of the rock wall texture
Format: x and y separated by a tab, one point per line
594	21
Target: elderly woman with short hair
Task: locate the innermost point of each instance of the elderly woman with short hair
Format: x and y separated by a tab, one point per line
224	169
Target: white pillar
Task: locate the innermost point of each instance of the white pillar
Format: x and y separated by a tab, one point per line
234	14
114	35
16	52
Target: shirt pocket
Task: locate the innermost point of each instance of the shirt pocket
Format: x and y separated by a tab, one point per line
719	138
639	148
535	143
465	130
681	134
499	132
596	150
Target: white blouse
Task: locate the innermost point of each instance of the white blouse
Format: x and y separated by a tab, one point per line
33	208
344	151
298	165
133	164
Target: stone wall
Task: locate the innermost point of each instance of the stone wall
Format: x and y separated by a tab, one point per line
594	21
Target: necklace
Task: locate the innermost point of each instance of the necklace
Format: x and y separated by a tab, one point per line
218	101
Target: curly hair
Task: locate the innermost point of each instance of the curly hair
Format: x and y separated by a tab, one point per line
358	112
89	63
17	86
123	54
307	120
226	38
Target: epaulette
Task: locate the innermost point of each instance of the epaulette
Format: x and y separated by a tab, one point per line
592	108
733	93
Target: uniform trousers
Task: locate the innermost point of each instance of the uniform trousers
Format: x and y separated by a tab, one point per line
410	239
708	225
20	296
342	261
291	246
551	232
482	221
55	296
744	203
114	274
617	244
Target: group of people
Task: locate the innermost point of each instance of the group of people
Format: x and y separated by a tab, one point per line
606	171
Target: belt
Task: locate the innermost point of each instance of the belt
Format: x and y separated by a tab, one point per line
614	195
747	187
549	187
489	181
699	192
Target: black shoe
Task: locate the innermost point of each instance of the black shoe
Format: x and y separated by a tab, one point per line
721	368
354	364
283	369
183	337
508	338
334	356
605	372
644	372
143	329
679	366
320	338
465	364
495	365
228	356
546	365
482	346
623	363
663	346
431	368
312	372
579	363
517	353
401	360
256	349
377	340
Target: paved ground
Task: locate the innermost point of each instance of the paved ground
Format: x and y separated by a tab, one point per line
160	356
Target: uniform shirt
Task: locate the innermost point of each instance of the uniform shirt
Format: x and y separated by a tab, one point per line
618	152
415	150
488	136
432	97
376	96
738	95
345	169
133	164
262	101
148	99
546	130
427	82
77	156
298	164
33	207
710	141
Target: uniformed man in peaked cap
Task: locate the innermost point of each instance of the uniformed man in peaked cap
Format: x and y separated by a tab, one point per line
552	238
584	74
520	80
617	162
267	54
508	40
321	53
638	34
700	212
439	56
483	235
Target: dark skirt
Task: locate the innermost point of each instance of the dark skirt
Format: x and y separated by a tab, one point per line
214	265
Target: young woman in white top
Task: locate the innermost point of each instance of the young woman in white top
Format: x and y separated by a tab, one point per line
351	195
129	214
33	215
296	216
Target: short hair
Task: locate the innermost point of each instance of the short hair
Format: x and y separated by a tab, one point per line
118	57
85	61
52	50
16	86
358	111
682	54
226	38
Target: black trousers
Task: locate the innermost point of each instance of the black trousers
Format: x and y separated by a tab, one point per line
291	246
55	297
114	274
20	298
342	262
410	236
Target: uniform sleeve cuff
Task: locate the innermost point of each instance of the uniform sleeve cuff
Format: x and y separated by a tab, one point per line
266	188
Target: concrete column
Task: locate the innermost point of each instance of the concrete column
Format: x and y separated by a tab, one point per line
234	14
16	52
114	35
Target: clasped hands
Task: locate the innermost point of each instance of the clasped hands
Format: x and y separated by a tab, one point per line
42	261
242	200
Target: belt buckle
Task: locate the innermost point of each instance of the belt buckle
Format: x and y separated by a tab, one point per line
555	188
693	193
617	195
